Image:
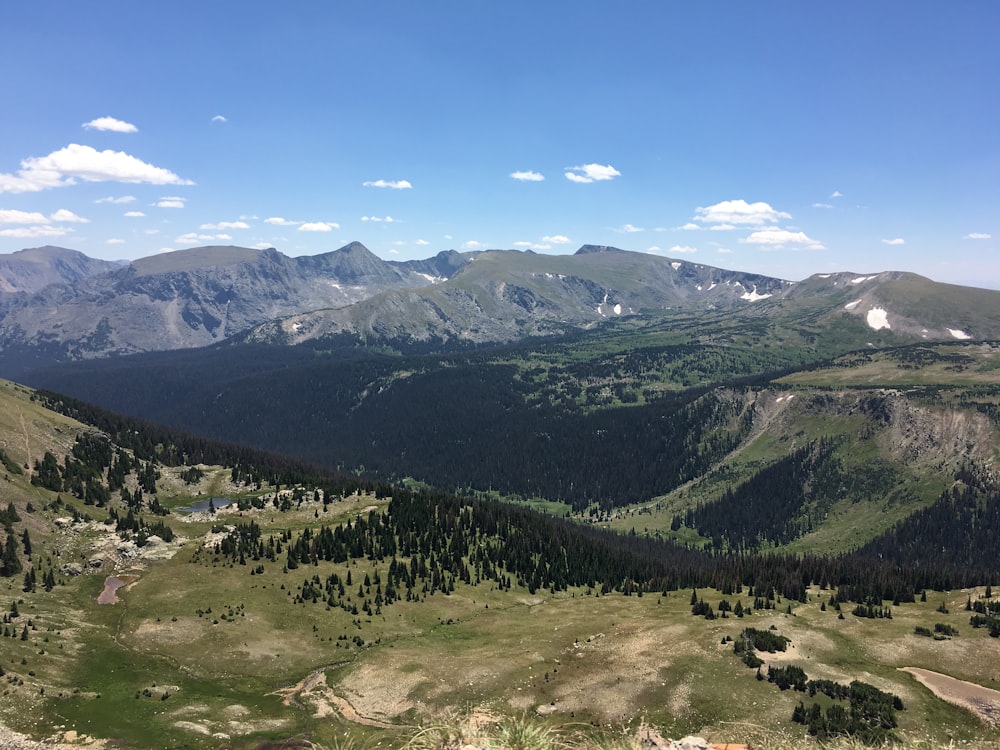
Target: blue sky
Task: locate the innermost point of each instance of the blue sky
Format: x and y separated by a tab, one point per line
785	138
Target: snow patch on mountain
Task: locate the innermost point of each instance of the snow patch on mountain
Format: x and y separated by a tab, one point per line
676	265
863	279
878	318
852	305
959	334
753	296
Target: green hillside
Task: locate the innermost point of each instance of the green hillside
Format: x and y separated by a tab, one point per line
283	615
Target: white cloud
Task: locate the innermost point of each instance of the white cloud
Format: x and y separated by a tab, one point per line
75	162
683	249
690	227
724	250
386	219
836	194
170	201
318	226
393	184
895	241
134	214
13	216
739	212
226	225
822	205
591	173
263	245
630	228
654	249
473	245
527	176
557	239
281	221
978	236
115	241
122	199
110	123
774	237
151	231
35	231
722	227
64	215
219	118
422	242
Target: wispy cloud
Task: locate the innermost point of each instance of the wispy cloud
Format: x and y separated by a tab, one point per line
391	184
223	225
422	242
739	212
527	176
280	221
629	229
556	239
977	236
112	124
75	162
377	219
220	118
170	201
473	245
65	215
194	238
822	205
591	173
836	194
780	238
44	230
114	241
682	249
895	241
121	199
690	227
318	226
13	216
134	214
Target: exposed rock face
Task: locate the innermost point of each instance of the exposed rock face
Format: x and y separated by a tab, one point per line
62	305
34	269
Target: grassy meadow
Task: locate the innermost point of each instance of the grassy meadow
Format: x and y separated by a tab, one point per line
200	653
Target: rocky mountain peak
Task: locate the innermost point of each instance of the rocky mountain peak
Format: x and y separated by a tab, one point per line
588	249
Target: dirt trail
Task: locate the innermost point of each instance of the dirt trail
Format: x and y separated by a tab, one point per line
981	701
27	441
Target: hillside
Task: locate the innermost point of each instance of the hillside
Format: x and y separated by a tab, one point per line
32	270
276	611
670	410
186	298
62	306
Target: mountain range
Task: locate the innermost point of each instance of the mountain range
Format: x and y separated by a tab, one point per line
58	305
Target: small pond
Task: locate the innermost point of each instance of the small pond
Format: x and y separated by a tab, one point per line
110	593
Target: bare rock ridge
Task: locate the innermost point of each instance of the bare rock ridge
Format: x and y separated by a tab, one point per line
59	305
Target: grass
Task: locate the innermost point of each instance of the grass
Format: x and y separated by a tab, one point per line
567	670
